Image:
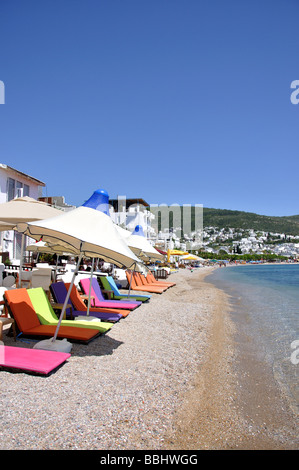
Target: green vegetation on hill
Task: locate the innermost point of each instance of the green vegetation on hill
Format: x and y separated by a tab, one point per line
248	220
222	255
225	218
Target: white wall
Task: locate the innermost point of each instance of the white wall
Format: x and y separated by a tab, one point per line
34	189
7	238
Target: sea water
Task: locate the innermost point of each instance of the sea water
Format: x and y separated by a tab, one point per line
265	298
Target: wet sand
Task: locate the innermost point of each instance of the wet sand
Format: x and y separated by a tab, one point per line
234	401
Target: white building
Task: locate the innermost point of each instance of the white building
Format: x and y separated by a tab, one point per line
58	202
128	213
14	183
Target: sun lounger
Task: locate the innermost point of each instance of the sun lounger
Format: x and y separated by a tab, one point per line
35	361
108	283
151	280
144	281
137	287
59	291
100	301
46	314
78	303
140	280
28	324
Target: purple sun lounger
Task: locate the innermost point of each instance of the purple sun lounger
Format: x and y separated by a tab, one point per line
59	292
100	301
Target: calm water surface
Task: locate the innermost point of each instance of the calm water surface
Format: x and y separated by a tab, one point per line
266	299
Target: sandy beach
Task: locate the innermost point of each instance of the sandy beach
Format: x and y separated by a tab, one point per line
174	374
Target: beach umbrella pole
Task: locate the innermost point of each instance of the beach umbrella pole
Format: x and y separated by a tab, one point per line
131	280
67	298
61	345
57	258
21	260
89	293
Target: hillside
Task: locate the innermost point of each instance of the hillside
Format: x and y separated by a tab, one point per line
248	220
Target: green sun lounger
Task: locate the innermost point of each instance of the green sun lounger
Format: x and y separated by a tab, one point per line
108	284
46	314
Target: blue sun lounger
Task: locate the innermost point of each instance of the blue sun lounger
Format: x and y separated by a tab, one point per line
109	284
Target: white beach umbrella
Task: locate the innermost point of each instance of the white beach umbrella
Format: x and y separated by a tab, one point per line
123	231
24	209
137	242
87	231
42	247
191	257
142	247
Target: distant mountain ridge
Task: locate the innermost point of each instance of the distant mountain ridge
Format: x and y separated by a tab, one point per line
249	220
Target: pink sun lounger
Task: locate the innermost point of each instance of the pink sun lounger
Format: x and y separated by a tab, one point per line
37	361
99	300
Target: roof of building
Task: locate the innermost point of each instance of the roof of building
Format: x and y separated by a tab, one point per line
24	175
129	202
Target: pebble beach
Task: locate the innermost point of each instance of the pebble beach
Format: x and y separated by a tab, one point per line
168	376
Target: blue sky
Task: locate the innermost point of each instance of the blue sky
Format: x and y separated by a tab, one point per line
177	102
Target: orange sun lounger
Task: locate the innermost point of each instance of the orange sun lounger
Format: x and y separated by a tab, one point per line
144	282
137	285
28	324
150	278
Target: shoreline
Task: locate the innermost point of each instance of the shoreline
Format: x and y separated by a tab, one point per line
170	376
234	402
207	408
